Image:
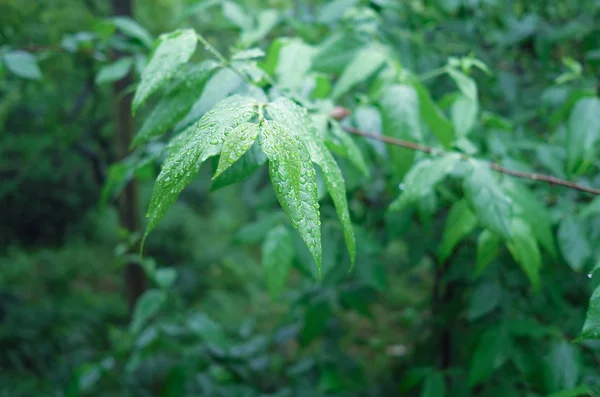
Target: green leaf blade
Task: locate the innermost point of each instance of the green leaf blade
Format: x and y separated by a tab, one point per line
173	50
114	71
22	64
489	202
366	62
277	256
236	144
199	142
295	183
461	221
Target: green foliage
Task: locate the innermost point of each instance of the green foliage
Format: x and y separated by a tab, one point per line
369	136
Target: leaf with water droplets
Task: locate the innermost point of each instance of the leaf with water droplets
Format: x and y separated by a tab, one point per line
173	50
199	142
176	103
289	113
236	143
295	182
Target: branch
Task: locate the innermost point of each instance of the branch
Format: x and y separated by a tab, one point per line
438	152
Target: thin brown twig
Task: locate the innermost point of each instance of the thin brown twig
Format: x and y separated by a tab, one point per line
552	180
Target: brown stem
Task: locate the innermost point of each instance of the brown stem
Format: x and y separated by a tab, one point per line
552	180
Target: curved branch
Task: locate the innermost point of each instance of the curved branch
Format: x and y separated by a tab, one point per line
552	180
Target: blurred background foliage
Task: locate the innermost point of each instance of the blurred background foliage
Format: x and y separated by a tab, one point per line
208	326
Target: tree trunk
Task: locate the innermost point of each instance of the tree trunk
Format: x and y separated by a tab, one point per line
134	277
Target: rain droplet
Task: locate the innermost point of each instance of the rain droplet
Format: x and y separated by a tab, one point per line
589	275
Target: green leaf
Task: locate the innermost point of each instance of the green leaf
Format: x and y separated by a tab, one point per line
591	209
265	22
315	322
434	385
435	119
248	164
422	179
366	62
248	54
525	250
277	255
531	210
583	134
336	52
165	277
285	111
333	10
173	50
485	298
487	249
114	71
199	142
176	103
147	306
134	30
490	354
349	149
465	84
579	391
591	327
22	64
460	223
294	181
236	14
236	143
488	201
573	243
563	366
401	119
293	63
464	115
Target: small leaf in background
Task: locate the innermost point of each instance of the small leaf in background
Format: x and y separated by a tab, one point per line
366	62
114	71
590	209
591	327
333	10
176	103
293	63
237	142
165	277
236	14
488	244
173	50
134	30
316	317
22	64
489	355
579	391
485	298
435	119
491	205
532	211
434	385
422	179
209	330
336	52
277	256
465	84
464	115
248	54
563	366
368	119
399	106
525	250
583	134
147	306
459	224
265	22
349	149
294	180
573	243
